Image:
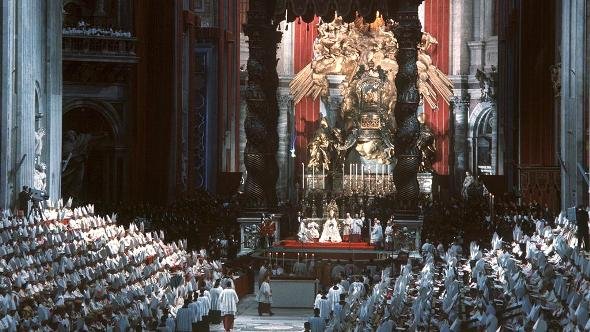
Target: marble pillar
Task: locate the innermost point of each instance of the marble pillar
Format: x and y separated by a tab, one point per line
573	93
31	95
285	103
461	32
262	116
7	69
460	116
24	97
54	86
408	34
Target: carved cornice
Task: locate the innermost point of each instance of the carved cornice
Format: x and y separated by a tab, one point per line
306	10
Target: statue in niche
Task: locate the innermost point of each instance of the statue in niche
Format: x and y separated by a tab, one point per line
39	177
75	152
487	84
39	173
39	134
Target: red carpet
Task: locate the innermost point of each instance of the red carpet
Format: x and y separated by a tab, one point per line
294	244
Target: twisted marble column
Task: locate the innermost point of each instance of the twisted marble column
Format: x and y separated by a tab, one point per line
261	98
408	34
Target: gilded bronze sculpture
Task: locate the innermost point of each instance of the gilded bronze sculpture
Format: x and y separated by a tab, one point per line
366	55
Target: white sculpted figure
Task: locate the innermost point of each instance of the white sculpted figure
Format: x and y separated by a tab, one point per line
39	177
330	232
39	141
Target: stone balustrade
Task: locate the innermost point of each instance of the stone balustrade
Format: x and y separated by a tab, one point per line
99	48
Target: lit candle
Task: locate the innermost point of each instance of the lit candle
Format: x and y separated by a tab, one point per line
297	257
306	257
283	260
312	177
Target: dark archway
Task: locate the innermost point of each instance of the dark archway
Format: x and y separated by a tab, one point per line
88	155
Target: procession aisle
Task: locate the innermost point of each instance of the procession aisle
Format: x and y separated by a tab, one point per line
283	320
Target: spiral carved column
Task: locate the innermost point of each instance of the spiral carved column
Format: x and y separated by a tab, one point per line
261	99
408	34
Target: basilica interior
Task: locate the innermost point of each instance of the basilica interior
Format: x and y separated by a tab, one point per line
334	165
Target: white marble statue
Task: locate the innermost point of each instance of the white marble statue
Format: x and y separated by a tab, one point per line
39	134
39	174
39	177
330	232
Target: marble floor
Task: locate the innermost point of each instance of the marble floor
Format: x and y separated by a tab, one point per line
284	319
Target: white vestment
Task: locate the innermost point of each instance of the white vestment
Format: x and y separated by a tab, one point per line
330	232
376	234
228	302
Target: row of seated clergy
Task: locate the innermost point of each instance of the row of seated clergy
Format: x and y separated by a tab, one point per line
84	271
548	288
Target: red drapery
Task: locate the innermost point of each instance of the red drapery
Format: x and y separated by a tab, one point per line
436	17
307	111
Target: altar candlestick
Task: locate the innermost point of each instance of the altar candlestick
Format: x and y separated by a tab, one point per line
323	176
350	177
363	176
303	173
383	179
313	177
356	176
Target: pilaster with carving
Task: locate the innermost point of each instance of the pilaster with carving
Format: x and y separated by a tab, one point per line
408	34
261	97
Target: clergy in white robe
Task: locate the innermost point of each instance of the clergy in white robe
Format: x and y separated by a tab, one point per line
264	297
377	233
228	304
334	294
184	319
215	313
356	228
317	323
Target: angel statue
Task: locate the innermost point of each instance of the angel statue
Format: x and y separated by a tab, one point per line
321	146
427	146
340	48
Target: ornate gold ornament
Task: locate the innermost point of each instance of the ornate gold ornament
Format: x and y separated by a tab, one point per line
366	55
